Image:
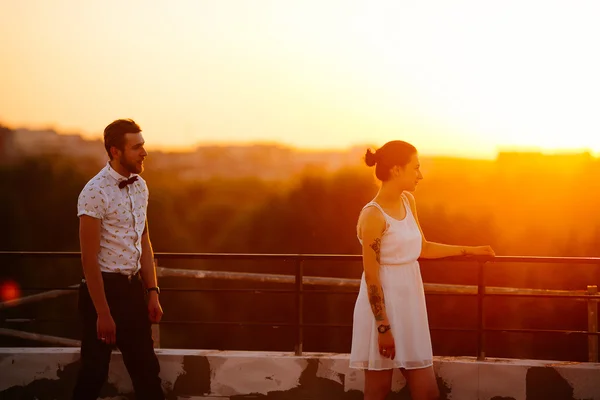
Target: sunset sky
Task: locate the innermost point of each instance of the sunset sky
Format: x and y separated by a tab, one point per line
452	77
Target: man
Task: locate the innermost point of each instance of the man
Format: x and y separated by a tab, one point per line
118	266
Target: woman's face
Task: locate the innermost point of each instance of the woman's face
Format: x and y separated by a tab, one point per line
408	177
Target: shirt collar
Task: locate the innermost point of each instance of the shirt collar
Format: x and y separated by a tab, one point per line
117	176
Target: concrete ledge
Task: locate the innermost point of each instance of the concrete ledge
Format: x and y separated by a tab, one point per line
49	373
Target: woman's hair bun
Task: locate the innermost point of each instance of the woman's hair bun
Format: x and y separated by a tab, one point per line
370	158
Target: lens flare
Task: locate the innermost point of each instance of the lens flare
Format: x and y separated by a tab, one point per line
9	290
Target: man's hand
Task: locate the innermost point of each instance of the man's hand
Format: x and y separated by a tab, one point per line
155	311
106	328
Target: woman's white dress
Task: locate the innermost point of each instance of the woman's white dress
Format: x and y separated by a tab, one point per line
404	301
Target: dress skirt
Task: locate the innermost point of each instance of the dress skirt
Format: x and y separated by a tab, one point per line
407	313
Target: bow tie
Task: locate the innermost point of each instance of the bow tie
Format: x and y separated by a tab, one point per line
129	181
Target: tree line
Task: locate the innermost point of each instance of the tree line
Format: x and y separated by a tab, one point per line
545	214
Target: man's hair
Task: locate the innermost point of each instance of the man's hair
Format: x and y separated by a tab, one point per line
114	133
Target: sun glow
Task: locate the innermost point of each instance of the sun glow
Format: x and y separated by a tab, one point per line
460	78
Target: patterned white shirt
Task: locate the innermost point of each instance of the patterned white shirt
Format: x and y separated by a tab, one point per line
123	217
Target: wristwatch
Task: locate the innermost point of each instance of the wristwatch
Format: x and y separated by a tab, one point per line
383	328
155	288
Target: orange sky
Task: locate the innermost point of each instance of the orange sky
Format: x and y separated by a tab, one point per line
460	77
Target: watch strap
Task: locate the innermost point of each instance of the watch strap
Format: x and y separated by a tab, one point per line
154	288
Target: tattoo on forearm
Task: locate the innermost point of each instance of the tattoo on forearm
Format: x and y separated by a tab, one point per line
377	302
376	246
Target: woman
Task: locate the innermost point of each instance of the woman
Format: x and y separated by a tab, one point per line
390	317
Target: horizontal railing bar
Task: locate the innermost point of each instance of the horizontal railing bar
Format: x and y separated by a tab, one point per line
329	257
247	323
318	325
242	290
430	288
40	338
516	330
549	295
196	322
34	320
232	290
345	282
36	297
41	254
515	292
43	289
176	289
567	332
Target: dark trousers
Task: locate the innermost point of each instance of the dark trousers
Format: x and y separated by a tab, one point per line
127	303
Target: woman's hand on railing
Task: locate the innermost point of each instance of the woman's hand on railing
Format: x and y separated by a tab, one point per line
479	251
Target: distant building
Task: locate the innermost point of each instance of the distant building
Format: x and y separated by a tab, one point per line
519	157
8	151
513	163
38	142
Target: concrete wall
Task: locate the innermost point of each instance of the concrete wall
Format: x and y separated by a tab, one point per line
49	373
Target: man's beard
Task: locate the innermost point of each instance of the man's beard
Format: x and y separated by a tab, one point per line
131	167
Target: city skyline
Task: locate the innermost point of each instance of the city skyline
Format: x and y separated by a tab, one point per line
26	141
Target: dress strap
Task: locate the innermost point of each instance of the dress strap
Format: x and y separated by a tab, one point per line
407	204
374	204
385	216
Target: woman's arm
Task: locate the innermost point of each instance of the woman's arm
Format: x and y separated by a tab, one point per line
439	250
371	227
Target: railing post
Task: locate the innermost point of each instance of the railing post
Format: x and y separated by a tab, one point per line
156	335
480	312
592	324
156	327
299	306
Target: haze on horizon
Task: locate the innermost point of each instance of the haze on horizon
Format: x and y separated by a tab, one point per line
464	78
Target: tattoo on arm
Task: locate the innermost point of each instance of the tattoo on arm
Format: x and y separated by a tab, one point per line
377	302
376	246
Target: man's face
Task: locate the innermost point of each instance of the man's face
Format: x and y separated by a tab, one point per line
133	155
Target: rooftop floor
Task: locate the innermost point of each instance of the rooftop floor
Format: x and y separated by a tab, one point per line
49	373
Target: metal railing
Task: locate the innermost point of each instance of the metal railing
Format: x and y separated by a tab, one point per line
481	291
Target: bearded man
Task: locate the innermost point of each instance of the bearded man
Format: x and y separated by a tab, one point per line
118	295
